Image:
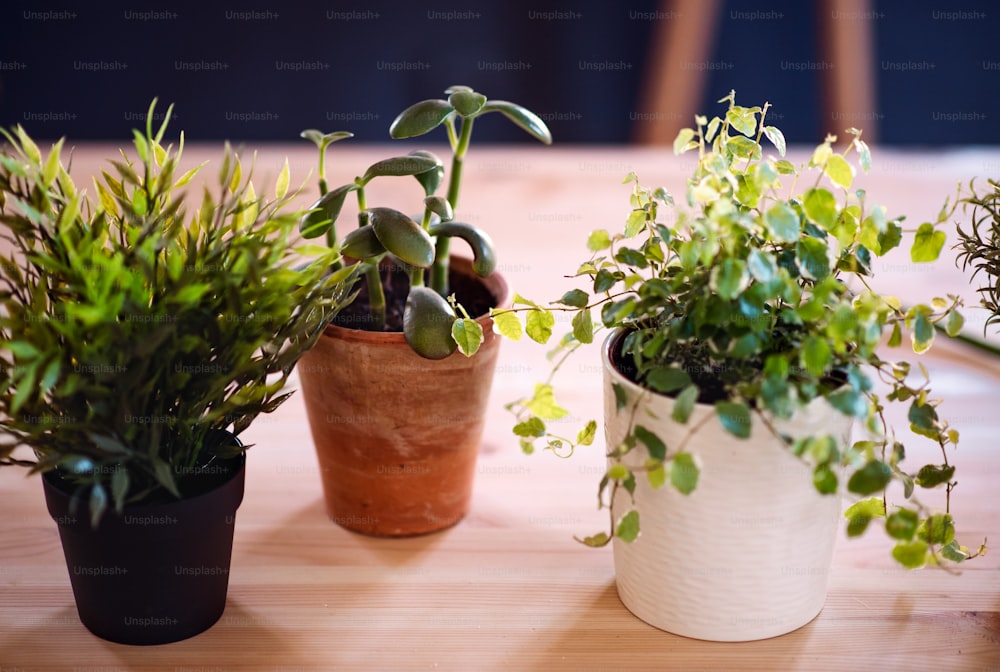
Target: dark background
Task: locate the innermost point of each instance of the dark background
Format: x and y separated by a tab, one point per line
89	71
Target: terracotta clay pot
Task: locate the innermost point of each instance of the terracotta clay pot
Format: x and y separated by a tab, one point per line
397	435
747	554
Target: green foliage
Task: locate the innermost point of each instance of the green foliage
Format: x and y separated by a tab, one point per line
979	247
756	300
133	328
425	244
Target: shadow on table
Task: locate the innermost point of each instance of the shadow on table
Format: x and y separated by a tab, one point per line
309	537
60	636
610	637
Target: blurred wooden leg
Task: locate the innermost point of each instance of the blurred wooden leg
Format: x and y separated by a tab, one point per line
847	36
674	78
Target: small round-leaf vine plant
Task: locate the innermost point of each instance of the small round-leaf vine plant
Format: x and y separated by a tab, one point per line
757	299
434	323
140	328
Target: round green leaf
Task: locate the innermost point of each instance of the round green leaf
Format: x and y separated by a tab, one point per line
816	355
402	236
821	208
839	171
912	555
861	513
628	527
684	473
577	298
468	335
730	278
937	529
869	479
902	524
931	476
667	379
783	222
825	479
507	325
927	244
735	418
777	139
685	404
811	259
762	266
583	327
849	402
427	323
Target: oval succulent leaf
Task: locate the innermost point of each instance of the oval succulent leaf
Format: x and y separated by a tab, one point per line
467	103
420	118
325	211
410	164
427	323
402	236
521	116
440	207
321	139
362	243
484	260
431	179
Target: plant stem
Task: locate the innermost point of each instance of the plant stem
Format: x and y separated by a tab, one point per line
376	298
439	272
416	276
322	171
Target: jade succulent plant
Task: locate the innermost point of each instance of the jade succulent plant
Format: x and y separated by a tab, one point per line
140	329
434	323
758	298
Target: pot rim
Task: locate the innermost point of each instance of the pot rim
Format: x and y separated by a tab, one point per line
239	462
607	363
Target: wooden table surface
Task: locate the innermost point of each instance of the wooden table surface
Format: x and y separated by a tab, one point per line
508	587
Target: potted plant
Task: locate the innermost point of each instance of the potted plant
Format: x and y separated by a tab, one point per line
979	246
396	413
139	336
745	341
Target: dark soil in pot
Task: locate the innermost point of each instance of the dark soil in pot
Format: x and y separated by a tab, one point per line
712	380
472	295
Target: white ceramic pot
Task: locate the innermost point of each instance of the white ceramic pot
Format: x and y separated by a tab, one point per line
747	554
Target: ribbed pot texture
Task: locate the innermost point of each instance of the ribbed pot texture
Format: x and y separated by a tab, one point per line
747	554
397	435
156	574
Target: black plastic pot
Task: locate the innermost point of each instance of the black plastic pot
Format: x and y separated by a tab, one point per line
159	572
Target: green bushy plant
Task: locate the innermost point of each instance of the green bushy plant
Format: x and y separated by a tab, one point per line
979	245
757	299
136	325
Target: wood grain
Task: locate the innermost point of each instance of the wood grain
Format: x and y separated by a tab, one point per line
508	587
